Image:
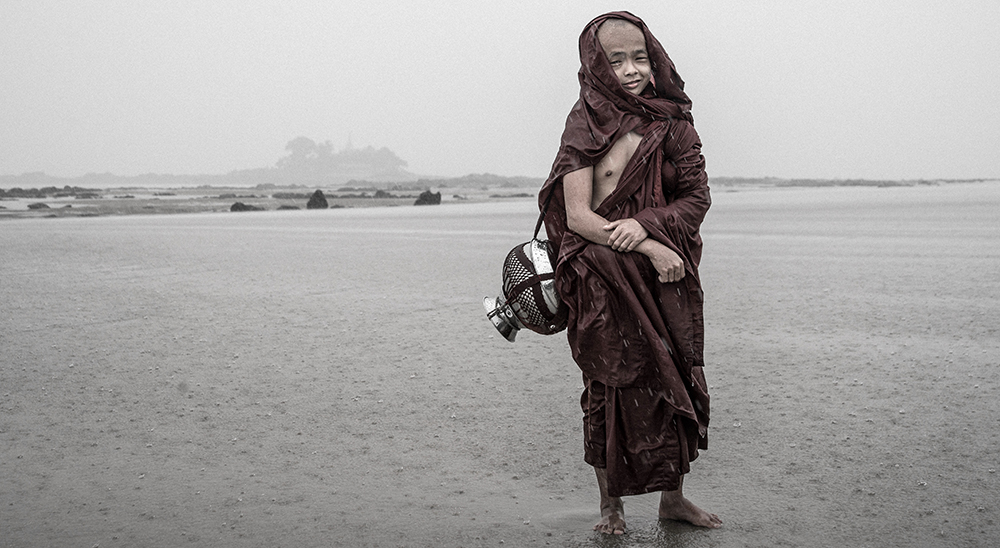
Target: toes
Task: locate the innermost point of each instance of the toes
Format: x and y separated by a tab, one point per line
609	529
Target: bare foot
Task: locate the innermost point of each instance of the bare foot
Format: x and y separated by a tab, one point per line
612	520
673	505
612	510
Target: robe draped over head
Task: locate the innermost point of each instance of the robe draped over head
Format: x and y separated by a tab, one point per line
626	328
606	111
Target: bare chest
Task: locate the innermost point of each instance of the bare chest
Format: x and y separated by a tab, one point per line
608	171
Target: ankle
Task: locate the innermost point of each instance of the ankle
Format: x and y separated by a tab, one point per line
671	497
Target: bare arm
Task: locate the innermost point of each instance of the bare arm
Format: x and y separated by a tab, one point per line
622	235
578	189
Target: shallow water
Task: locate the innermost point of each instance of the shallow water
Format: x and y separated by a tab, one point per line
329	378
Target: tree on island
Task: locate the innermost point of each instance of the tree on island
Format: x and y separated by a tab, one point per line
307	157
302	151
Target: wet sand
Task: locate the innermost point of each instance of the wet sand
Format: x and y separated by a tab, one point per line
328	378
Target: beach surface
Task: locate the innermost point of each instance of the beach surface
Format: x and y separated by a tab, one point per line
329	378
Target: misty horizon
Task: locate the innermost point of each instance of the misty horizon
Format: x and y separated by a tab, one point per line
392	160
893	89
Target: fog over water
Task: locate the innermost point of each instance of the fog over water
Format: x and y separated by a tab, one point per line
885	89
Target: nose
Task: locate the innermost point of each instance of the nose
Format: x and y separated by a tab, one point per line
630	67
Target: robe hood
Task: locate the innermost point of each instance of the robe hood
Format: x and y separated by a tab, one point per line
605	109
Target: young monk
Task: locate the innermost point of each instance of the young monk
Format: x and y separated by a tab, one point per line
624	203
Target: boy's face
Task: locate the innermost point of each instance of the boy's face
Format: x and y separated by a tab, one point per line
625	46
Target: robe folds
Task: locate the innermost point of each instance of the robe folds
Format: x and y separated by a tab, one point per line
638	341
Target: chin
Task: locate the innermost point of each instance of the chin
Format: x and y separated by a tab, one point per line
638	90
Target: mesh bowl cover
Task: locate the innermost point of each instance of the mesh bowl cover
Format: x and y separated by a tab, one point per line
529	287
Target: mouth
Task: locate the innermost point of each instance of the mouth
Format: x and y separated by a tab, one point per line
632	84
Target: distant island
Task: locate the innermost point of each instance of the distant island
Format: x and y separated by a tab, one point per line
309	164
41	186
352	177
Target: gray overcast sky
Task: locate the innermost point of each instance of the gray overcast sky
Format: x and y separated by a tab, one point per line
785	88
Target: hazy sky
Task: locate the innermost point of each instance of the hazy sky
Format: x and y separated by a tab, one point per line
784	88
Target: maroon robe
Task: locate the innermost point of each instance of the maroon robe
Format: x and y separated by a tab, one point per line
638	341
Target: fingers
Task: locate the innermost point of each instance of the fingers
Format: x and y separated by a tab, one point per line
622	242
625	234
675	274
618	240
626	243
622	238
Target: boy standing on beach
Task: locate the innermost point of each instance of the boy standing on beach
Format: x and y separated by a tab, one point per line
628	195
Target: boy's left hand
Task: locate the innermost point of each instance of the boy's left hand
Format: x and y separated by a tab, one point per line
625	234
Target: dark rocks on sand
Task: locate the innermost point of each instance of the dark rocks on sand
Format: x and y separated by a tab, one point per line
317	201
289	207
428	198
240	206
39	205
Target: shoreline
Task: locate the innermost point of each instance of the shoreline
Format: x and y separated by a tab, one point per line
208	199
166	201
